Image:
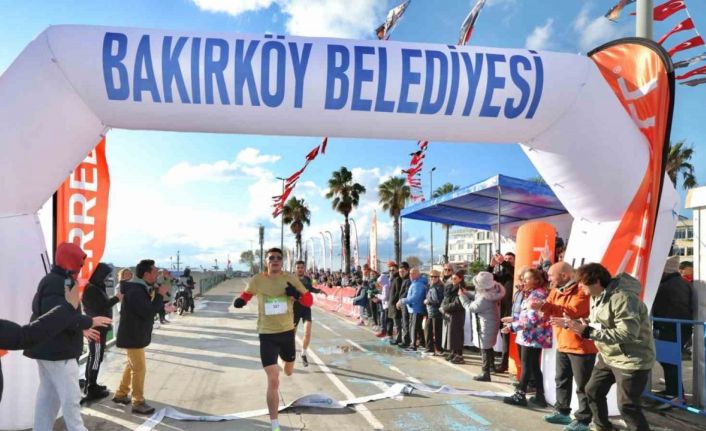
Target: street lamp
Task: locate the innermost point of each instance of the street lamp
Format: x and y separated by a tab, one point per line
431	224
281	243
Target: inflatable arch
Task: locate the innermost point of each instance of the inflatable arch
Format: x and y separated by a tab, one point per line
72	84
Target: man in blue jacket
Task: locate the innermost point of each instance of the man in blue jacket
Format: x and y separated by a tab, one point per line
415	307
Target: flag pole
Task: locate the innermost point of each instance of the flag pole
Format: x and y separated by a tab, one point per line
643	21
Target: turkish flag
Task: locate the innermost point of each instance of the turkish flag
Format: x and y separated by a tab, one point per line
698	71
694	82
687	44
687	24
667	9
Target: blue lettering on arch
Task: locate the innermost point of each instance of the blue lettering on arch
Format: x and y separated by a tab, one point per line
408	78
494	83
382	105
429	107
473	77
213	68
143	60
111	62
171	70
336	72
299	64
538	86
515	62
195	70
243	71
454	82
273	99
361	75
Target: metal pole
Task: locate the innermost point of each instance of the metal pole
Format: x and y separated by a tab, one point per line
330	249
499	198
323	250
357	254
431	224
281	243
643	21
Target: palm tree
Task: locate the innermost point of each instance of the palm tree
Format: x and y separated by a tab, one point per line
295	213
346	195
446	188
393	195
678	163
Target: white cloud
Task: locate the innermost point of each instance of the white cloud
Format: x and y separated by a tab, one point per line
541	37
505	4
593	33
233	7
252	156
333	18
329	18
221	170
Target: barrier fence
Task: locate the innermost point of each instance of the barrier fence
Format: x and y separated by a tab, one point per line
205	284
337	299
670	338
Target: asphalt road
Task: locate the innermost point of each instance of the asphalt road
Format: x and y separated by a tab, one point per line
208	364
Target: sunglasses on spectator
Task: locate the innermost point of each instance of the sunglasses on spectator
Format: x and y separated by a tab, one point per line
434	276
274	257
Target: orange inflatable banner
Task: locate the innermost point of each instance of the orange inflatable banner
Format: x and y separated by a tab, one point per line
535	243
82	209
641	74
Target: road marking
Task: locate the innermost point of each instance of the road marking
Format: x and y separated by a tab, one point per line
360	408
329	329
405	375
356	345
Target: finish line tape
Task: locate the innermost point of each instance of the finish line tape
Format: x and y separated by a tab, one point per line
323	401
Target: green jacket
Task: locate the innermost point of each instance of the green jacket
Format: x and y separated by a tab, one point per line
624	338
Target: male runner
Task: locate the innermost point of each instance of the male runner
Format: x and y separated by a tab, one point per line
276	292
302	312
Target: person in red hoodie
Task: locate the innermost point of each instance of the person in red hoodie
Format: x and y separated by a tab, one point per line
575	355
57	358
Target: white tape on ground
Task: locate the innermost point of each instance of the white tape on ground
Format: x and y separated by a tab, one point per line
318	401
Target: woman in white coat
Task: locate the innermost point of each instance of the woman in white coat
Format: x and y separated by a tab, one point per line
486	305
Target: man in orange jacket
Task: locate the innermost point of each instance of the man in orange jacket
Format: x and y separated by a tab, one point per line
575	356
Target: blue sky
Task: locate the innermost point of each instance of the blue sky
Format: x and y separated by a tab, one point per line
207	193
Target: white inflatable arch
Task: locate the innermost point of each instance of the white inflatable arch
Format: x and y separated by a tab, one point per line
72	84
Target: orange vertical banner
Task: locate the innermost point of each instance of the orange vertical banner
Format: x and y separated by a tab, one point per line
641	75
82	208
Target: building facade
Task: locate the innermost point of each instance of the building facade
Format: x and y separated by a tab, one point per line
683	245
469	245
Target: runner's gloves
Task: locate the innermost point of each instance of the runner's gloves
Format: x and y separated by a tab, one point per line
292	291
239	302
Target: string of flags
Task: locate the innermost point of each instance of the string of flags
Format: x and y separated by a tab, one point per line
393	17
469	23
291	181
413	179
662	12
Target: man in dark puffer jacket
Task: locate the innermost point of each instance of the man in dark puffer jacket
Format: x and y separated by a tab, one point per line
97	303
57	358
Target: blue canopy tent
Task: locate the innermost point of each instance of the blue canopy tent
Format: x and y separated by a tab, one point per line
496	201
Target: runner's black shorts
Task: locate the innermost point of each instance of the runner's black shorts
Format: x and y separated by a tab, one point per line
301	313
274	345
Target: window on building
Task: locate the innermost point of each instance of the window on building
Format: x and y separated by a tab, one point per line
690	233
689	251
484	253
